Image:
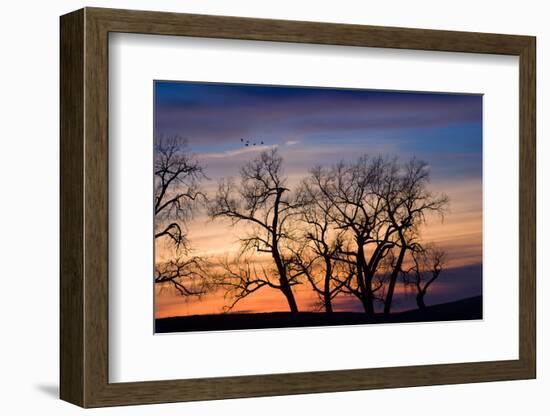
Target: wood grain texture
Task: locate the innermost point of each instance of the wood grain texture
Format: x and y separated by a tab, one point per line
71	99
96	220
84	207
527	208
162	23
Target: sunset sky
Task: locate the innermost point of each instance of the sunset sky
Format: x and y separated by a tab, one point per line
313	126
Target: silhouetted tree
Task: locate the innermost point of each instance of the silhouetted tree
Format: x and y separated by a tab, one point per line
319	245
243	276
187	276
262	201
177	178
359	213
407	201
176	196
379	205
428	263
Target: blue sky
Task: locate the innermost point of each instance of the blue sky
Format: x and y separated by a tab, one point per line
328	124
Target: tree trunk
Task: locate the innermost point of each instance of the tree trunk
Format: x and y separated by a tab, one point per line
368	298
287	291
328	304
364	280
283	280
326	290
393	280
420	300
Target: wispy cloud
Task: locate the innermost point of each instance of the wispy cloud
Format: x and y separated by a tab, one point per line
220	113
236	152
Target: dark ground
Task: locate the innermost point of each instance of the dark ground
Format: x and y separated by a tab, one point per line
465	309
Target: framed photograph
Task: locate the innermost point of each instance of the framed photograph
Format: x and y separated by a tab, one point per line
255	207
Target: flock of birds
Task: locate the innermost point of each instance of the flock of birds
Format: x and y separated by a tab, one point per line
247	143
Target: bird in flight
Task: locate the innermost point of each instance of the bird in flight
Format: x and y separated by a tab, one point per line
248	142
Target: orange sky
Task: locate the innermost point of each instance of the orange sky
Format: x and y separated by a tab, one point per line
459	233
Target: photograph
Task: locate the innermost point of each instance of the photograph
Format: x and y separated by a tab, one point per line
304	206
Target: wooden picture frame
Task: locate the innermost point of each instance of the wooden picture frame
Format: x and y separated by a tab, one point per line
84	207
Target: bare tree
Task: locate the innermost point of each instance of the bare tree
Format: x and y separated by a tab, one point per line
177	177
359	214
185	275
379	205
407	201
319	246
262	201
428	263
177	194
243	276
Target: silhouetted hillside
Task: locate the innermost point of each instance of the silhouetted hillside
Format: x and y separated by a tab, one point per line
465	309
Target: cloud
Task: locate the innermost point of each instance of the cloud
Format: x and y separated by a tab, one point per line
292	142
236	152
215	113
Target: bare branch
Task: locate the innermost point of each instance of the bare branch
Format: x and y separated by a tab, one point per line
177	192
263	201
